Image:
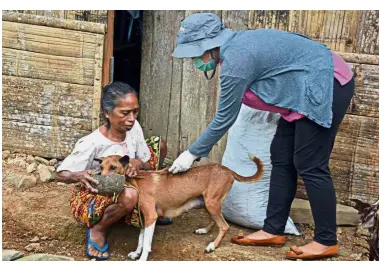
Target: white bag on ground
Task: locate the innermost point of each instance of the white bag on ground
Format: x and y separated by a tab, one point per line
246	204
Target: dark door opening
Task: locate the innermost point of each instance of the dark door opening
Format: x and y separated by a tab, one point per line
128	28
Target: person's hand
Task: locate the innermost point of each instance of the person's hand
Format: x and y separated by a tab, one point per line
183	162
134	167
84	179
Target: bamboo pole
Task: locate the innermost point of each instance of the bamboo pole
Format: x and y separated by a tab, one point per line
54	22
360	58
108	47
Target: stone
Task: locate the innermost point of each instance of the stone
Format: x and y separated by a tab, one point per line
52	169
32	167
27	181
12	177
5	176
35	239
45	174
41	160
362	243
46	257
361	231
33	247
6	154
21	155
339	231
17	161
44	238
301	213
30	159
311	226
10	254
356	257
52	162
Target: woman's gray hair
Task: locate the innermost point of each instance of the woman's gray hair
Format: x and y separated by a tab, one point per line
110	95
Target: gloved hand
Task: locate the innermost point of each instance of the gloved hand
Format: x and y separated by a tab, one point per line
183	162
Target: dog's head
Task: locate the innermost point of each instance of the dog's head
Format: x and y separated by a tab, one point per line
114	164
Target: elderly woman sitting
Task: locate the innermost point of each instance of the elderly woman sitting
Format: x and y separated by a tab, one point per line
121	135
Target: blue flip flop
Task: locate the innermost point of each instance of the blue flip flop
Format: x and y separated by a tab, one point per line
95	246
166	221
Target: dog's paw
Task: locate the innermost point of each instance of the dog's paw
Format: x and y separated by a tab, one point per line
210	247
201	231
133	255
144	257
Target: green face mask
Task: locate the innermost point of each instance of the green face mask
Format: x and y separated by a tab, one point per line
211	65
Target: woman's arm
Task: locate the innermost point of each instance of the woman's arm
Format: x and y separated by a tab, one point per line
135	165
75	167
232	91
82	177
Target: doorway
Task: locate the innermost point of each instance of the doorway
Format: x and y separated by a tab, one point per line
127	39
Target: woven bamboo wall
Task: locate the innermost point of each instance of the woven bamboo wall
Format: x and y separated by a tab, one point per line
178	103
51	82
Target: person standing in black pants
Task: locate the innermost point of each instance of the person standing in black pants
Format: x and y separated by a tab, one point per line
284	72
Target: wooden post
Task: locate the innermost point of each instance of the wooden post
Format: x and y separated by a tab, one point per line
108	47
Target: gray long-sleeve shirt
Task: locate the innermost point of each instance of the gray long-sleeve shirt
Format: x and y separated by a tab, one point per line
283	69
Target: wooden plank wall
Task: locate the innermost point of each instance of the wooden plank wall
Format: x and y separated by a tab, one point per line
97	16
51	82
178	103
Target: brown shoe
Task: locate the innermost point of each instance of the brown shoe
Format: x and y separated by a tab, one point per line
297	253
244	240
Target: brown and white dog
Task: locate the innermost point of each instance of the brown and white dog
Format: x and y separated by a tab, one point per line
169	195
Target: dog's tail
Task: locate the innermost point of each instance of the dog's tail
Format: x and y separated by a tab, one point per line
256	177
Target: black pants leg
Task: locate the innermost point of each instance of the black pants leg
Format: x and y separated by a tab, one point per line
282	188
306	147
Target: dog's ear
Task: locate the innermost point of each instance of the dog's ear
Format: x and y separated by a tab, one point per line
124	160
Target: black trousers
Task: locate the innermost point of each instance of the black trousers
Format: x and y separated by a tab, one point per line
304	147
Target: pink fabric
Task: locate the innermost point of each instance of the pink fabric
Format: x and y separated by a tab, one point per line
252	100
342	72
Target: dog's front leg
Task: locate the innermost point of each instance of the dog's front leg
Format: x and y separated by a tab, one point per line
136	254
148	235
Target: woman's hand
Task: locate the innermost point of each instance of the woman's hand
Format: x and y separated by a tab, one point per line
85	180
134	167
183	162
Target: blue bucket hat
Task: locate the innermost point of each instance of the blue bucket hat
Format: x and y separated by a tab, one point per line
198	33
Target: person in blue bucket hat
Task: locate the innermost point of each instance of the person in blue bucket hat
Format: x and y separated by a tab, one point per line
288	73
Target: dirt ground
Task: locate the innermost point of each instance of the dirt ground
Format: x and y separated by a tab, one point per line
43	211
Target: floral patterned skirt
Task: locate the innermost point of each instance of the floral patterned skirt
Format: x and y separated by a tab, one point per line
88	208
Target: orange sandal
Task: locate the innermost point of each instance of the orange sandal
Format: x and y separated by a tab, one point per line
240	239
297	253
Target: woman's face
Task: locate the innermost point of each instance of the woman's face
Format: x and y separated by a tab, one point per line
123	117
207	55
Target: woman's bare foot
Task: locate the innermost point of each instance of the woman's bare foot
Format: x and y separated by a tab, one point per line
314	248
99	238
260	235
